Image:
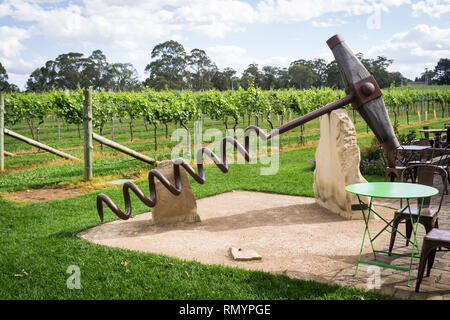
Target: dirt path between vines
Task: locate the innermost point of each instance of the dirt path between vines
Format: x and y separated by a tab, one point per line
44	194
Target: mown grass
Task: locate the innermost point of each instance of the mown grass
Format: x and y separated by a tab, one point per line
39	243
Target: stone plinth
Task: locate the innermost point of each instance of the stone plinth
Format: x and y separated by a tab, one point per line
337	165
170	208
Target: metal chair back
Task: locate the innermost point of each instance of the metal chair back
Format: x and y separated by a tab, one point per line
424	174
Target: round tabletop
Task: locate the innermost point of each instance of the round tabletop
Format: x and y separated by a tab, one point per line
392	190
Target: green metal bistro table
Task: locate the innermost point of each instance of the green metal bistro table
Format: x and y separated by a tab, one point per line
390	190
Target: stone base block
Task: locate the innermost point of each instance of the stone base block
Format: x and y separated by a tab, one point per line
170	208
337	165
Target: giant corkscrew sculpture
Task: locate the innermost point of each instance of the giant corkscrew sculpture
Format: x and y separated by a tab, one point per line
362	91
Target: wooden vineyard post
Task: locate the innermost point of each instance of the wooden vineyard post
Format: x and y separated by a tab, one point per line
112	129
59	129
2	135
87	123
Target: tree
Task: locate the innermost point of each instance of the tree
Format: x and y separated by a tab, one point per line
427	76
301	76
442	71
378	68
13	88
219	81
251	75
225	80
203	70
169	65
97	70
43	79
396	78
72	70
333	77
4	84
282	79
66	72
319	68
123	77
268	77
70	67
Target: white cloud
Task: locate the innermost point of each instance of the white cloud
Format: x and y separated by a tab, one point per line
19	68
414	50
225	56
328	23
285	11
17	65
128	24
127	29
125	24
5	10
432	8
10	43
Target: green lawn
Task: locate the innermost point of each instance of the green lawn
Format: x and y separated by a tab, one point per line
39	238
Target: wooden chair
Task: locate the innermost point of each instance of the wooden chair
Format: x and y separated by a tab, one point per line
433	242
422	174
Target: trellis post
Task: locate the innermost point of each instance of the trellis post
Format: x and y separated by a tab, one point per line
87	123
2	136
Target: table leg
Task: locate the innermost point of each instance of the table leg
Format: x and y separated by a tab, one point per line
388	224
366	230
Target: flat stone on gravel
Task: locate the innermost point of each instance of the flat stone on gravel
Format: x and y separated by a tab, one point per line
240	254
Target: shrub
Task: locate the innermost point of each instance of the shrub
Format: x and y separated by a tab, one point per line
407	138
371	161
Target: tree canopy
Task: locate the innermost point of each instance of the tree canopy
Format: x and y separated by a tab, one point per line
72	70
172	68
4	83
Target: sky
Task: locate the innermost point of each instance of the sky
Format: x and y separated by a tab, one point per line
233	33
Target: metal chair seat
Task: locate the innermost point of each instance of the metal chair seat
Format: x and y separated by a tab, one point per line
433	242
394	172
426	212
438	235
